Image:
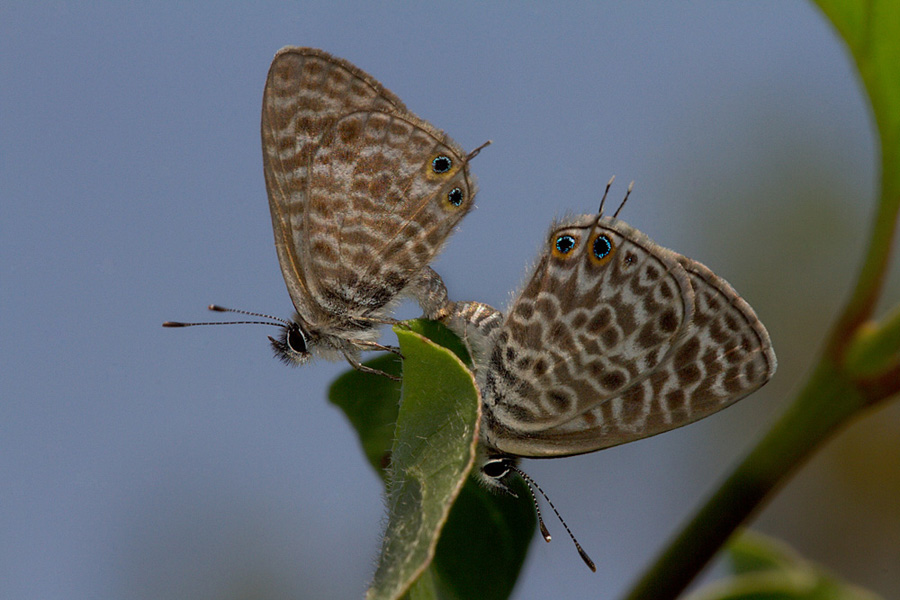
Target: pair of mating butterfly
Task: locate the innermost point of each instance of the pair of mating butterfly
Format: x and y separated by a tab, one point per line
613	338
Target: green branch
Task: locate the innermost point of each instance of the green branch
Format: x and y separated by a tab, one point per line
860	364
784	448
876	347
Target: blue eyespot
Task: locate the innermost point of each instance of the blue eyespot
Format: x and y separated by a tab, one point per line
455	196
564	244
441	164
602	246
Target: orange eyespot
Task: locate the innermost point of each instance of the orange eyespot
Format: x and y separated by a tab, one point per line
602	249
564	245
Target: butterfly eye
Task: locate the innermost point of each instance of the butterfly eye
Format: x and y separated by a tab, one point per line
296	341
455	196
564	245
441	164
602	248
495	469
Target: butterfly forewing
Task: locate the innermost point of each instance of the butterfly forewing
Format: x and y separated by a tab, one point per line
585	327
306	92
378	212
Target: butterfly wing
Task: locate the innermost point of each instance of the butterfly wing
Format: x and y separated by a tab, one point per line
603	308
722	354
386	190
307	91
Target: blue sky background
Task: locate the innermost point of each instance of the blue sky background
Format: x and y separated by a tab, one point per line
138	462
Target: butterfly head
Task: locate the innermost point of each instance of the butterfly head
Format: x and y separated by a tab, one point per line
292	346
494	472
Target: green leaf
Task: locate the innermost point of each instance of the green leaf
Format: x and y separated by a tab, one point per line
769	569
486	536
751	552
484	543
876	347
869	27
440	335
432	454
371	403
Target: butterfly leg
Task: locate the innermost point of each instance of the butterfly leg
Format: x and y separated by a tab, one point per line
367	345
429	291
383	321
364	369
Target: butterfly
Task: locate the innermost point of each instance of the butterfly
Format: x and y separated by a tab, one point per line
613	338
362	194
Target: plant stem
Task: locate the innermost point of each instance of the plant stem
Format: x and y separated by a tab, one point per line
859	365
876	347
871	276
823	406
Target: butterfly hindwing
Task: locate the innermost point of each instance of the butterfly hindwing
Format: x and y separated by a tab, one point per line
681	353
602	308
385	191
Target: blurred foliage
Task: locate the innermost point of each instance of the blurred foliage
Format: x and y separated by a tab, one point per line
767	569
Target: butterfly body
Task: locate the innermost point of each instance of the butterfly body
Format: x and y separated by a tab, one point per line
362	194
612	338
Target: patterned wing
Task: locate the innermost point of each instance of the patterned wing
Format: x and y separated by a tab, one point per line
385	192
307	91
603	309
723	355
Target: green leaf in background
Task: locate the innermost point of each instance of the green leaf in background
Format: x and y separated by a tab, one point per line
768	569
484	543
486	537
870	29
752	552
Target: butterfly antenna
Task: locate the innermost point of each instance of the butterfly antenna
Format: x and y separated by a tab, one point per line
602	202
605	192
217	308
532	485
624	200
545	533
477	150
